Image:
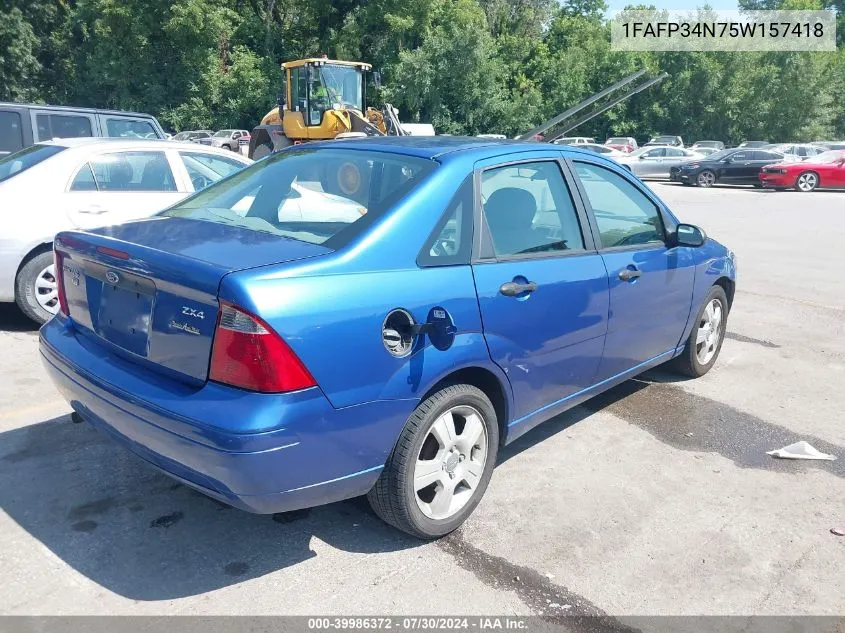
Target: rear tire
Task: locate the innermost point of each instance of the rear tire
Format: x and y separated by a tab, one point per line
706	178
35	288
705	341
441	464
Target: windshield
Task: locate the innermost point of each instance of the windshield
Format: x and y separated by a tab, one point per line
617	141
341	86
14	164
182	136
308	195
663	140
707	144
829	157
223	133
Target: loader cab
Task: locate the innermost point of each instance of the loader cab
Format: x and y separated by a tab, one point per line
318	91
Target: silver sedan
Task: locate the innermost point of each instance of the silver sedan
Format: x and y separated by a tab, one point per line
655	162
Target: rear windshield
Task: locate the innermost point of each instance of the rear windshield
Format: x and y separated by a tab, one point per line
617	140
312	195
14	164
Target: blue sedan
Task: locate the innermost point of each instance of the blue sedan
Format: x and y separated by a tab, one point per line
378	316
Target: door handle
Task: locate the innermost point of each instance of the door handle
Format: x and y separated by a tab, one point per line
627	274
93	210
512	289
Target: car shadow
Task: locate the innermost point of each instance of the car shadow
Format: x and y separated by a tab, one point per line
13	320
141	535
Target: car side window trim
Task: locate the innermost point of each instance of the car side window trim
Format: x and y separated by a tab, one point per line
482	251
669	222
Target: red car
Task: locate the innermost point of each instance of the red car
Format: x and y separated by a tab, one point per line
825	170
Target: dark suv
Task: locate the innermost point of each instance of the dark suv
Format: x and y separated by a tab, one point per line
22	125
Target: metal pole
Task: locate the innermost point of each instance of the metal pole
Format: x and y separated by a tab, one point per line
577	108
616	101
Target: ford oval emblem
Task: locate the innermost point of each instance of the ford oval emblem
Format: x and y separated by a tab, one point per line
112	277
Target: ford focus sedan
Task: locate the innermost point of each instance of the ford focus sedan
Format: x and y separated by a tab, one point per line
280	361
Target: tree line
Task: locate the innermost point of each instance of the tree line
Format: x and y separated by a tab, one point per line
467	66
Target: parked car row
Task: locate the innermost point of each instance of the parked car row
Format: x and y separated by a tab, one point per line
764	168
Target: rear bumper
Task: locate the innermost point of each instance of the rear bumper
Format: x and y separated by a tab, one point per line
263	453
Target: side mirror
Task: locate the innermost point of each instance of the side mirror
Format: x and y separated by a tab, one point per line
689	235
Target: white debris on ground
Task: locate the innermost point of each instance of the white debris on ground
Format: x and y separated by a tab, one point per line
801	450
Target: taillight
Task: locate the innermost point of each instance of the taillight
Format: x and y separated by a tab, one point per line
58	261
248	354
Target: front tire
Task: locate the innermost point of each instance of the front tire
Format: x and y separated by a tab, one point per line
35	288
807	181
441	465
705	341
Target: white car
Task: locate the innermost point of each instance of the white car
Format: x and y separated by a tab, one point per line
656	161
574	140
604	150
85	183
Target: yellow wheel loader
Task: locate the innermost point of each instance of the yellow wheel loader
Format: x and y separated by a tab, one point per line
321	99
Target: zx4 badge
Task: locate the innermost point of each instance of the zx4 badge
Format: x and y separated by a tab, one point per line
197	314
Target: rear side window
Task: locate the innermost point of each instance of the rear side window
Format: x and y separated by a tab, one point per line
18	162
528	209
11	133
451	241
52	126
320	196
130	128
84	180
133	171
625	216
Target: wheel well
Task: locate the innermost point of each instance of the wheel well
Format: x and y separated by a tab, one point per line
35	252
728	285
485	380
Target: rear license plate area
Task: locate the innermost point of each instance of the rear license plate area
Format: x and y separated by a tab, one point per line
124	310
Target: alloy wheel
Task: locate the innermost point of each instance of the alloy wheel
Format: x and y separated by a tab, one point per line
709	332
706	179
450	463
807	181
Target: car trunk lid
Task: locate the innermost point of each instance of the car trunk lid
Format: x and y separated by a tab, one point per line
148	290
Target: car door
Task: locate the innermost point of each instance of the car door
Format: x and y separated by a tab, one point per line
121	186
649	163
542	287
736	168
650	283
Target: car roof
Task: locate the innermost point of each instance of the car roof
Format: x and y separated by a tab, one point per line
44	106
131	143
433	147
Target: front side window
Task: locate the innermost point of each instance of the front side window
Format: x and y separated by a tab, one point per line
528	209
625	216
133	171
206	169
11	133
316	196
18	162
52	126
673	152
129	128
